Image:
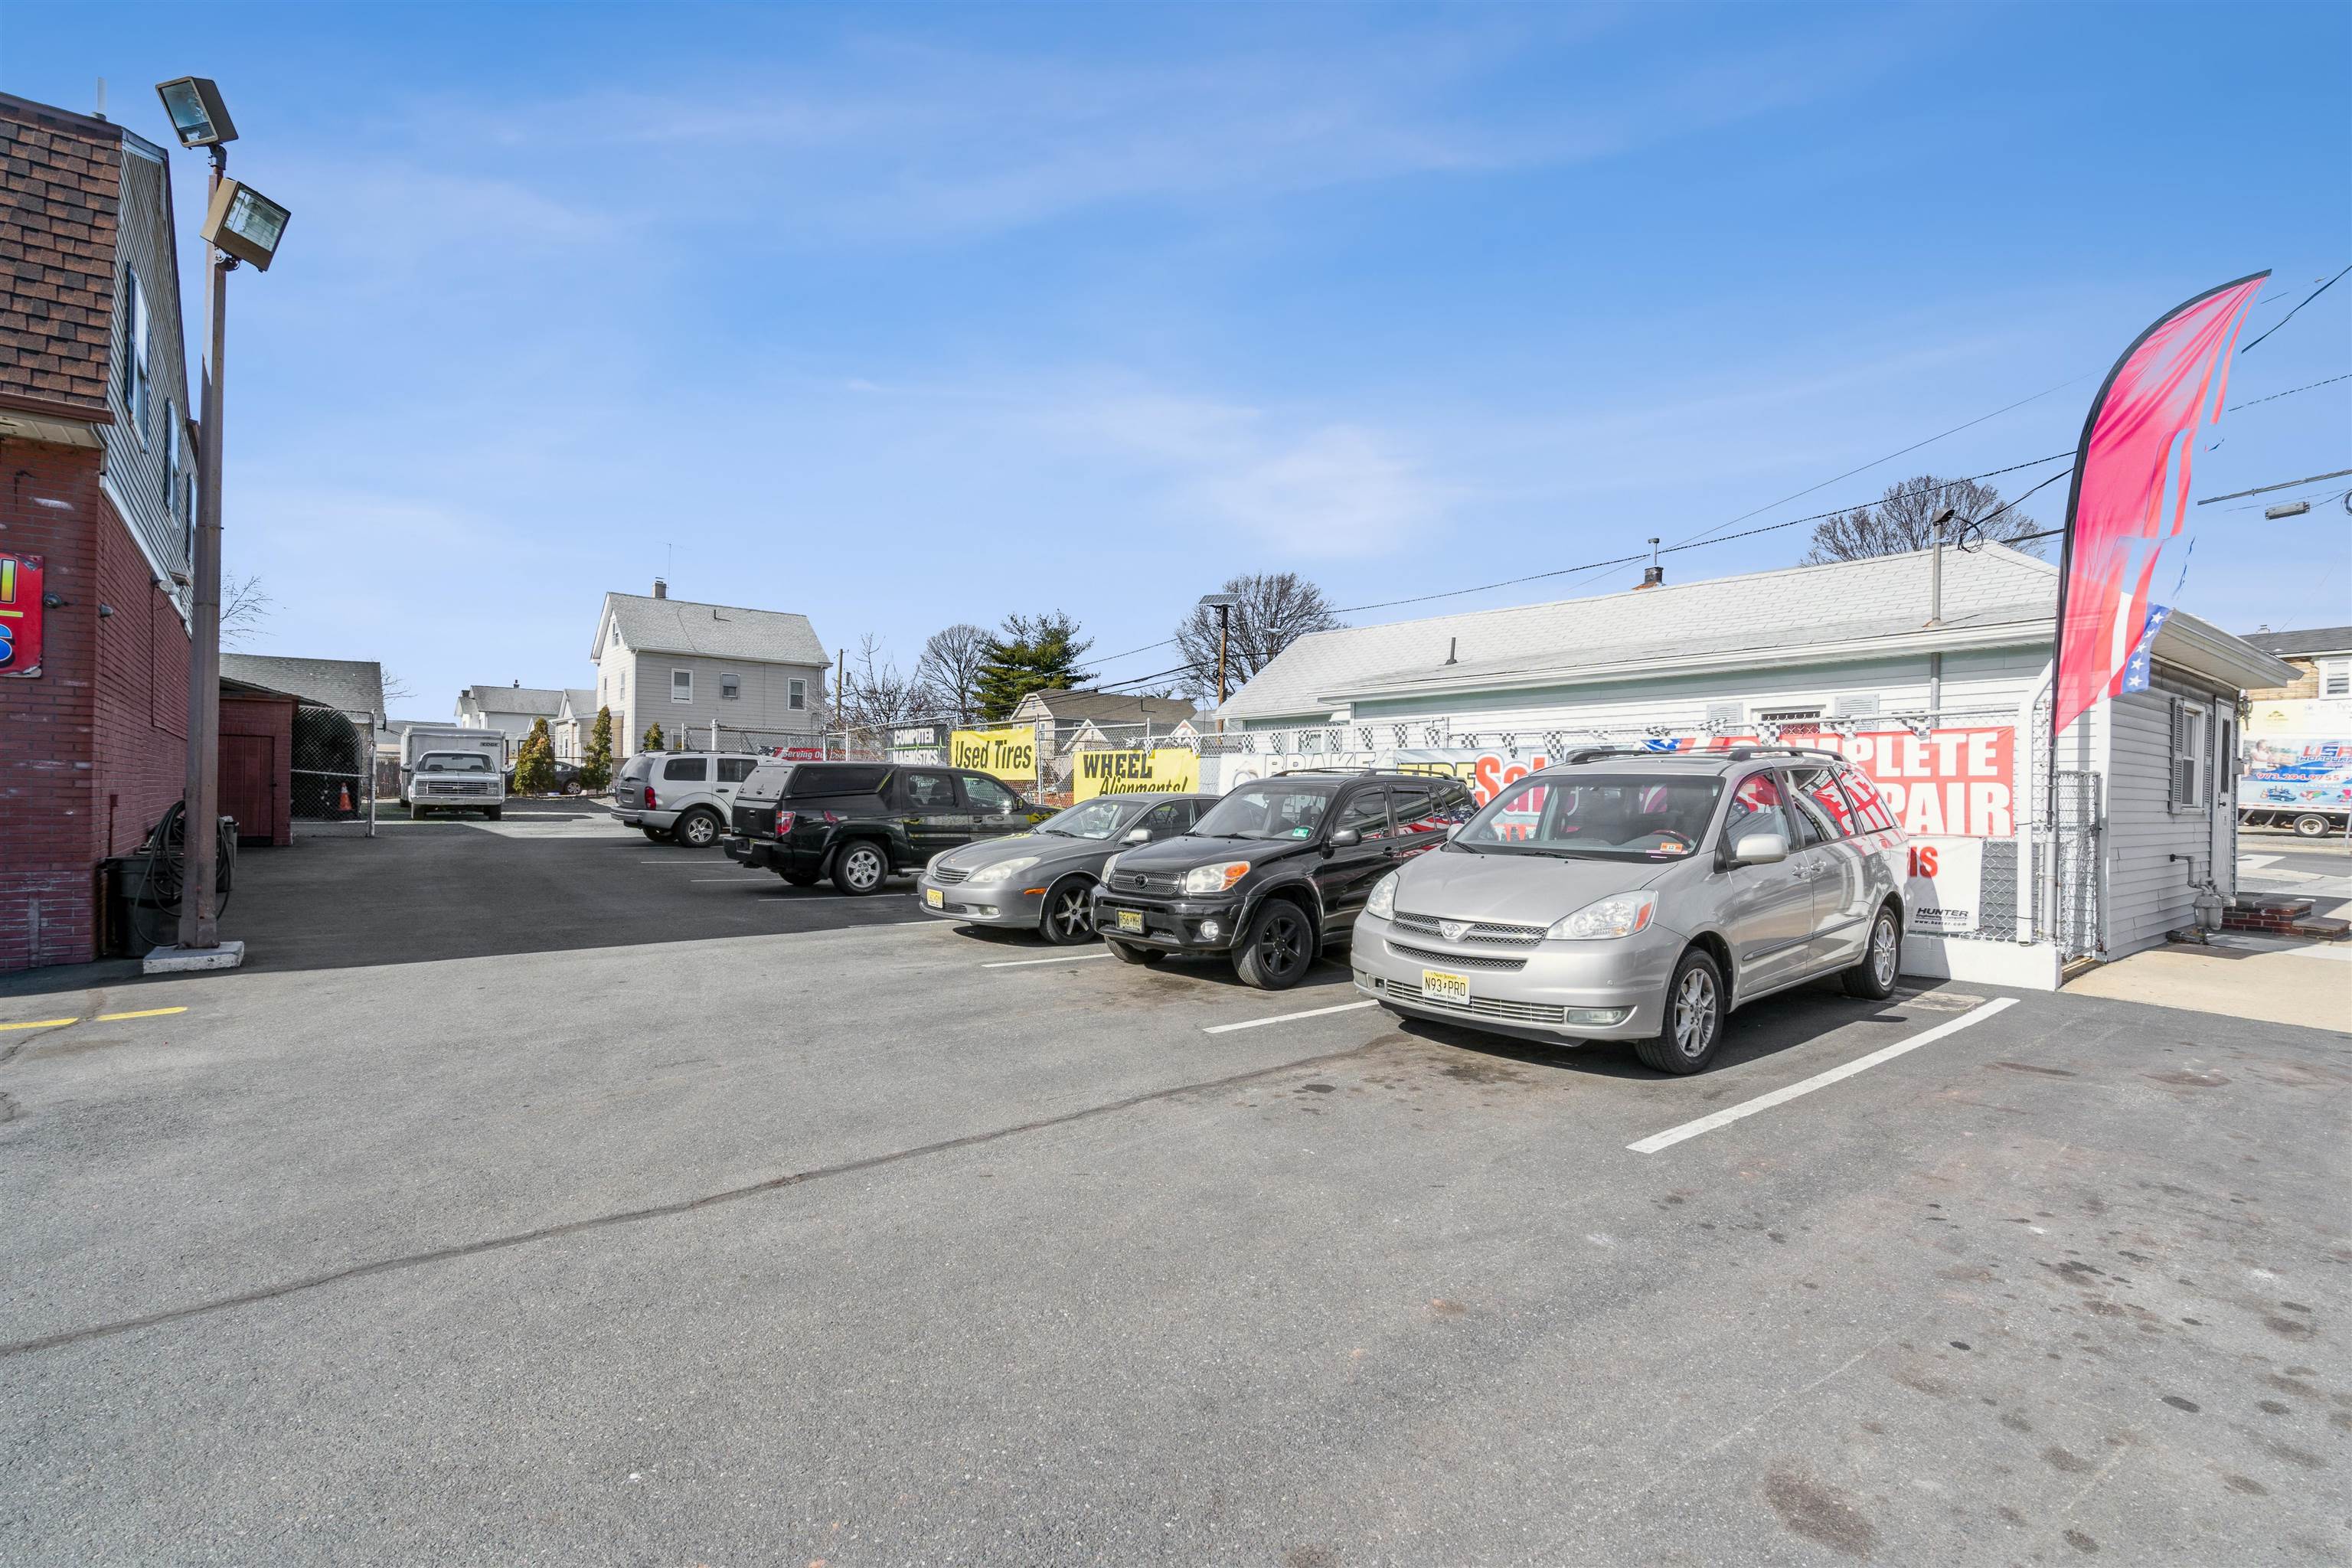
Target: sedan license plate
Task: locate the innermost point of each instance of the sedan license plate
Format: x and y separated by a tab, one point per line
1130	919
934	898
1437	985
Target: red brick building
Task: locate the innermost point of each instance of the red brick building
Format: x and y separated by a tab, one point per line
96	483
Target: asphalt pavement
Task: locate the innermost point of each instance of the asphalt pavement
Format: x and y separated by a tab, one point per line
818	1231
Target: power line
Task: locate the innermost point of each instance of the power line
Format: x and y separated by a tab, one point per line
2290	392
2289	485
2306	299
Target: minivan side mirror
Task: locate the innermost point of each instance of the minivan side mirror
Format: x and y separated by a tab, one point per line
1138	835
1453	830
1346	838
1759	850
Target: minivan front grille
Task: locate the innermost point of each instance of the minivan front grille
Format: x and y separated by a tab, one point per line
1458	960
1494	932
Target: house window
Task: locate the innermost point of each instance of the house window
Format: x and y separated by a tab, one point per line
730	689
681	686
1793	720
2188	755
796	694
2335	678
625	685
136	386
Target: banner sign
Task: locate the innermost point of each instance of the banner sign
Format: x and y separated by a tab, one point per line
1010	755
1957	782
1943	884
20	615
2130	492
1175	770
2287	775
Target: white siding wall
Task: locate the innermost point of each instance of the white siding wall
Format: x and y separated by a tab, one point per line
764	703
2147	893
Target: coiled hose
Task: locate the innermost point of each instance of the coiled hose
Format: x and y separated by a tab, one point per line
167	852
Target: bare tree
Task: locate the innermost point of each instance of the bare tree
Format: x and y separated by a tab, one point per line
394	690
1900	520
874	695
1275	609
948	670
244	606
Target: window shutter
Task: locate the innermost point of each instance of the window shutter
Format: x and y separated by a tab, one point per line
2178	716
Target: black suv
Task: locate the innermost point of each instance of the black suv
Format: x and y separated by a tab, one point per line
1276	870
860	823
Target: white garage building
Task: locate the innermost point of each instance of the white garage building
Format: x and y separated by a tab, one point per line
1937	684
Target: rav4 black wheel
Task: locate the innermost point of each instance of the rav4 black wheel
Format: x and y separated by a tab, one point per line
1277	950
1069	916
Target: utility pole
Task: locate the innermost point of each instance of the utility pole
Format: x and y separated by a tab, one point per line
200	885
1224	604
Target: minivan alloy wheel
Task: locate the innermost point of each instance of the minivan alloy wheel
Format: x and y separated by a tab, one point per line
1883	948
1694	1010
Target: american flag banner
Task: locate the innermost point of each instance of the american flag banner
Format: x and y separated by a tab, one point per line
2130	492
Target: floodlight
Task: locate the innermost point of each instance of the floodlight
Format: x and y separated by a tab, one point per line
198	116
243	222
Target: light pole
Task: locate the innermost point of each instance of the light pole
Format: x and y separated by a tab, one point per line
1224	604
240	225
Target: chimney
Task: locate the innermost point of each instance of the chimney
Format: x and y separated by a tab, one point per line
661	589
1651	577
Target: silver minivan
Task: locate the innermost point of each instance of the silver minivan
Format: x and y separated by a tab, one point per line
1634	895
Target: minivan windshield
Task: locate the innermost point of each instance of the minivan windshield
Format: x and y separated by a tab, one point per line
1614	817
1268	810
1096	818
455	763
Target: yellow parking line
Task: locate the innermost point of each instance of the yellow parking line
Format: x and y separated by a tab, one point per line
101	1018
41	1023
149	1013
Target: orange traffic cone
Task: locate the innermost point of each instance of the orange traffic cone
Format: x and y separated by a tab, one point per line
345	803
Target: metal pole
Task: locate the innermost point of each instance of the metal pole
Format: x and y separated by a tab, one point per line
199	916
1223	621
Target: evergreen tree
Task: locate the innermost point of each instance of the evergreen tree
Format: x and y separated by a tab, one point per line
597	768
1030	653
653	740
534	770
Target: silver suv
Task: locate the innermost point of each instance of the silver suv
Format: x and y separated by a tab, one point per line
681	797
1642	896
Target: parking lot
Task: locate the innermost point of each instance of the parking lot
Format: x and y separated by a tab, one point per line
540	1195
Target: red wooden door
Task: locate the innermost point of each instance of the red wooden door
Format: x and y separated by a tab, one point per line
248	778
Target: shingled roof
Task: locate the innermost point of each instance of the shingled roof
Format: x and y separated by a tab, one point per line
346	685
649	625
2291	645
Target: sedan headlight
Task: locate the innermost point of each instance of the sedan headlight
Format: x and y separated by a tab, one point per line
1201	879
1381	905
1003	871
1620	914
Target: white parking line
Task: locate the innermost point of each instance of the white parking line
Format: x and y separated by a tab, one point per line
1025	963
758	881
1285	1018
1673	1135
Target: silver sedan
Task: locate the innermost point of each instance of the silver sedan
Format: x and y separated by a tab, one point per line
1045	879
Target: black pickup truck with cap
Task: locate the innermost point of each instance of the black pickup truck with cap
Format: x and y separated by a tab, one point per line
860	824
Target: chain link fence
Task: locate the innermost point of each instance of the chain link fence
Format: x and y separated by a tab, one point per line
334	782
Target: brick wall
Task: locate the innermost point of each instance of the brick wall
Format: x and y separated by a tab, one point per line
93	748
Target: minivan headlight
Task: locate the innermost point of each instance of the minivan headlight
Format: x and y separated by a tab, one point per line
1618	914
1003	871
1215	878
1381	905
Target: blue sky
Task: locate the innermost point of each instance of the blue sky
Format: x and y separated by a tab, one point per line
900	316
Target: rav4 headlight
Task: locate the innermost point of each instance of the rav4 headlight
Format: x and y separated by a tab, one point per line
1003	871
1202	880
1381	905
1620	914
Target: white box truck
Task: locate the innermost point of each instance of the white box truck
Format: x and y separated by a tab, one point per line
452	768
2298	782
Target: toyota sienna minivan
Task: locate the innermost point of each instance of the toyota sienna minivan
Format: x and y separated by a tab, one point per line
1633	895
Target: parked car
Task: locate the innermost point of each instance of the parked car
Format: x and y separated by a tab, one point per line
417	740
1045	879
681	797
1642	896
1276	871
563	778
454	781
862	823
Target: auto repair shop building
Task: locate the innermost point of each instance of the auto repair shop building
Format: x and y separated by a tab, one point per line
1939	691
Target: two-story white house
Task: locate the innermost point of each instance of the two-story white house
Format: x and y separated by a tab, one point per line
511	709
757	675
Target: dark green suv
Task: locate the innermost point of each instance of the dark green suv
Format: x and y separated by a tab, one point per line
862	823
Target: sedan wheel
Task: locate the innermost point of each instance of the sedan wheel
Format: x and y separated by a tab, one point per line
1069	916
